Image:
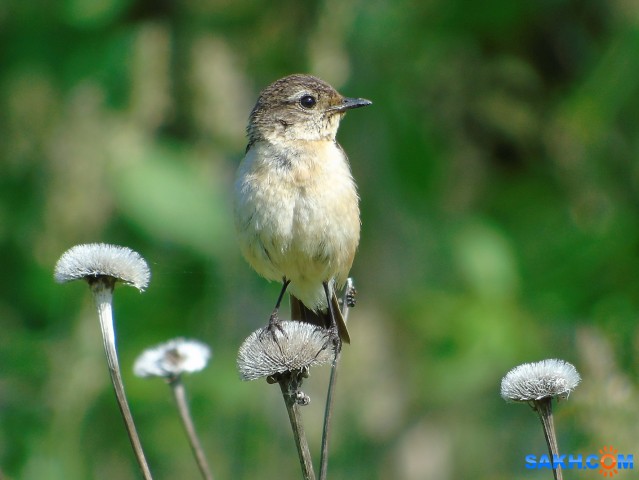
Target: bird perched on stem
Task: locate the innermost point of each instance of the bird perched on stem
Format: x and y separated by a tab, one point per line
296	204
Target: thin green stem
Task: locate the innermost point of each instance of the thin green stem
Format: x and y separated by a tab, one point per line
103	293
179	394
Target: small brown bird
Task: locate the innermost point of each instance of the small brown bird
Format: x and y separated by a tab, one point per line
296	204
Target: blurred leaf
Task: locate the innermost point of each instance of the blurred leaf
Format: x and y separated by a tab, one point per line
93	13
174	202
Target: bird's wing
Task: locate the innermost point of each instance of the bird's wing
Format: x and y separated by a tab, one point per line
302	313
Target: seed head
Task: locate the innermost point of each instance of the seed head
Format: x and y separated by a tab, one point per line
172	359
94	260
539	380
291	346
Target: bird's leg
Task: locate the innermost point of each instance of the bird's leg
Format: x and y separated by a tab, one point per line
274	321
333	331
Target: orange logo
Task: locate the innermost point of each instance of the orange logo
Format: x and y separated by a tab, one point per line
608	461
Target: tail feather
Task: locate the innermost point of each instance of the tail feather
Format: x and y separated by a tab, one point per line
302	313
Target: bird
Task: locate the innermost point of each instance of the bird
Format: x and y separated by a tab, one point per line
296	205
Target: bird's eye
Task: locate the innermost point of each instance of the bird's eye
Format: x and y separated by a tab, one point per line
308	101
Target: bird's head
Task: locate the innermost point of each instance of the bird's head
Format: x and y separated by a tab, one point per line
299	107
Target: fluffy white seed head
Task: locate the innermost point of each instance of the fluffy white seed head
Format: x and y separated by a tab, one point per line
172	359
296	346
539	380
93	260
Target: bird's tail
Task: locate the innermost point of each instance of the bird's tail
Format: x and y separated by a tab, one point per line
301	312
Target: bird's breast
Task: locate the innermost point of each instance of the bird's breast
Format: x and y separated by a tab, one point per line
297	211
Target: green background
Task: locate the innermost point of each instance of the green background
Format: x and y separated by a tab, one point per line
499	184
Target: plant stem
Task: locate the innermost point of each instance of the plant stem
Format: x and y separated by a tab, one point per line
177	387
289	384
543	408
328	415
102	289
330	395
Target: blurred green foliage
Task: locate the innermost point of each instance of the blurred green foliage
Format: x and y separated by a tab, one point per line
499	181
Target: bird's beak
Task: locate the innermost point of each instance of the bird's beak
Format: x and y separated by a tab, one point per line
350	103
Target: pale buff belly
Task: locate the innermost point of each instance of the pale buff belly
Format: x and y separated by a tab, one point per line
305	230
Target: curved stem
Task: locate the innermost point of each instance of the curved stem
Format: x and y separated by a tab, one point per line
179	394
103	293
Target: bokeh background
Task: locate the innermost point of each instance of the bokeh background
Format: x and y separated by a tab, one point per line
499	182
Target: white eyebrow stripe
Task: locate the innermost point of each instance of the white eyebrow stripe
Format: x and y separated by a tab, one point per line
299	94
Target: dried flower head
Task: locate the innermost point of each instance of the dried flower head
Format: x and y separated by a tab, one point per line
296	346
539	380
95	260
172	359
101	266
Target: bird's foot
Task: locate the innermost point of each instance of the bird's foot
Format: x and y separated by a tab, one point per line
274	325
351	296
